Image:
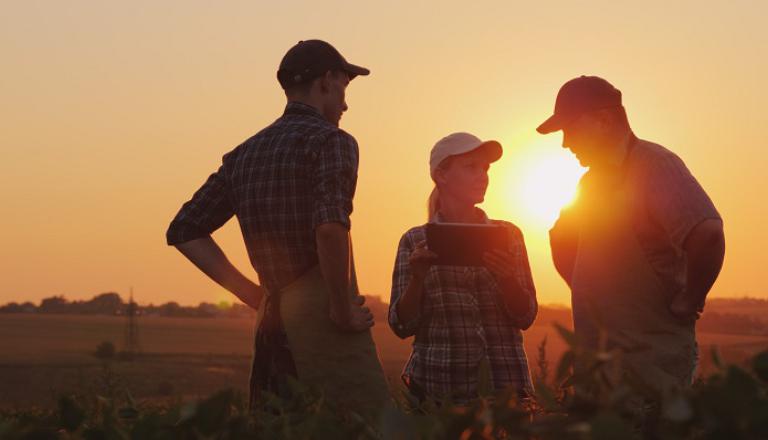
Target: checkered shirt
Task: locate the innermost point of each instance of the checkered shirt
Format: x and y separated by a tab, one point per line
292	176
463	323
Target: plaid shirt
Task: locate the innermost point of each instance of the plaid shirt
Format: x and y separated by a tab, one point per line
282	183
463	324
292	176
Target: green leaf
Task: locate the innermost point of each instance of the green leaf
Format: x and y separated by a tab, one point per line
677	409
545	396
565	365
568	336
609	425
484	381
128	413
716	360
71	415
760	365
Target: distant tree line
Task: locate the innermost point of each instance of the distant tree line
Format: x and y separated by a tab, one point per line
733	323
111	303
742	316
723	315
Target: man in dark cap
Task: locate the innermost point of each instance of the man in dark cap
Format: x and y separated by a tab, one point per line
291	187
641	246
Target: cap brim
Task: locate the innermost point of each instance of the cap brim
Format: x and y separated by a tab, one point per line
354	70
492	150
554	123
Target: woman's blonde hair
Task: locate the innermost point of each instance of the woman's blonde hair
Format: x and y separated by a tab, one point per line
433	202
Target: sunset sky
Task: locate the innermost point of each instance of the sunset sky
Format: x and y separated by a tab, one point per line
113	113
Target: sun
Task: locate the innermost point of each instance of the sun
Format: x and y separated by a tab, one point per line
548	185
535	182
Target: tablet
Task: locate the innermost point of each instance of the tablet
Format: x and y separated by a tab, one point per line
463	244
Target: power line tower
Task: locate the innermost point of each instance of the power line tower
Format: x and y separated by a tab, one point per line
132	347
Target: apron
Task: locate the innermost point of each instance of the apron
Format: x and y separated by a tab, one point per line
343	365
619	301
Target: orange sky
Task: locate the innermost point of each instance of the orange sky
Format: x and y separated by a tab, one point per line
112	115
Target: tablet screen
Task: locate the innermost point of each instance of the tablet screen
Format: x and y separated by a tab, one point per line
463	244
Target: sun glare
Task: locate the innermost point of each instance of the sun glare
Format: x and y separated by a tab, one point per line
536	182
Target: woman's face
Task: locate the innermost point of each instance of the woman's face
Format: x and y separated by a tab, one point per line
465	177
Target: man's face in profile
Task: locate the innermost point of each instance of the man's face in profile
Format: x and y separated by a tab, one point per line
585	136
335	103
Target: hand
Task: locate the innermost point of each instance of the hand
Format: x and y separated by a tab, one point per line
500	263
252	295
421	259
351	316
684	309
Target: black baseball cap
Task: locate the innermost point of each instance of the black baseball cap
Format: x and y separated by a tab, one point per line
309	59
578	96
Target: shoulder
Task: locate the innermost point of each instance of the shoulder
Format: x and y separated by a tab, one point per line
513	229
229	158
650	159
413	236
334	144
335	136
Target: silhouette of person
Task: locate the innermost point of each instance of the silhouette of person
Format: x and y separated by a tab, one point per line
291	187
641	246
467	320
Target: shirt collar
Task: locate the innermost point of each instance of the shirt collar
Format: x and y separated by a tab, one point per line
620	161
616	173
627	147
621	153
301	109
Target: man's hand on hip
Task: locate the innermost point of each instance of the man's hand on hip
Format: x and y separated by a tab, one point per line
252	295
684	308
351	316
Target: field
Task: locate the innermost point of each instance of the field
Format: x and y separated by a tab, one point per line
43	356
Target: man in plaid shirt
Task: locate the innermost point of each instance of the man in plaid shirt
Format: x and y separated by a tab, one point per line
291	187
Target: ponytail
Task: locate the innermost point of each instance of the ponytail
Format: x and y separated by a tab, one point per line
433	204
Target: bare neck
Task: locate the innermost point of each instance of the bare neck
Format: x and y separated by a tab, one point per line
457	211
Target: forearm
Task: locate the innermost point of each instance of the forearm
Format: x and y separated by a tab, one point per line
515	296
409	304
705	251
210	259
333	251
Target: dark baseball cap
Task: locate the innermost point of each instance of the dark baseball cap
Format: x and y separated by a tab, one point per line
309	59
578	96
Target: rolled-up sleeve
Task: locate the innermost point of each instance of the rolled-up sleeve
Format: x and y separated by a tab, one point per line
522	271
335	179
400	278
209	208
675	199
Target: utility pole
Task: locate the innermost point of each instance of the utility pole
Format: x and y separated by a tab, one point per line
132	348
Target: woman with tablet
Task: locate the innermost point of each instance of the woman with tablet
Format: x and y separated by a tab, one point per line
466	315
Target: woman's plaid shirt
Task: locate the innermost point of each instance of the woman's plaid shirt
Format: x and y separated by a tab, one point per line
463	324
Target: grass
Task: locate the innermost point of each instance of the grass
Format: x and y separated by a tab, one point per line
42	356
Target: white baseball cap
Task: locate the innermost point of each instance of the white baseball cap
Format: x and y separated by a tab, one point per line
460	143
